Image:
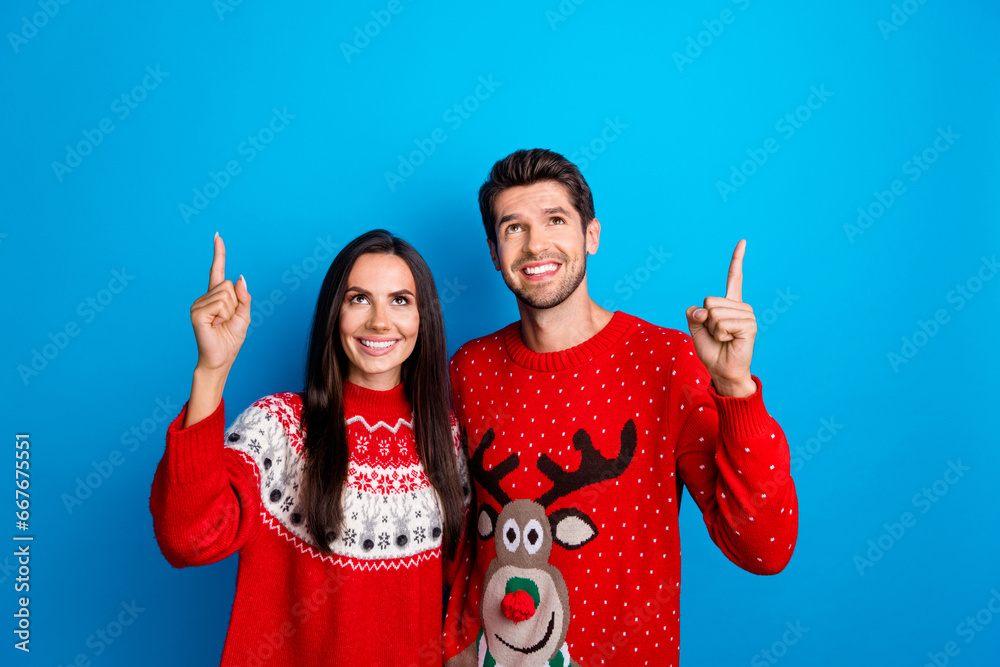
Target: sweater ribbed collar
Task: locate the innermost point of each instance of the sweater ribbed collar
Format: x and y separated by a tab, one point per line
571	357
384	403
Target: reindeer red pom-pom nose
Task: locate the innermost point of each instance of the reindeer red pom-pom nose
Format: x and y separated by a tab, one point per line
518	606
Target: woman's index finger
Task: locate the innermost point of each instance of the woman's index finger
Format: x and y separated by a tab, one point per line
218	272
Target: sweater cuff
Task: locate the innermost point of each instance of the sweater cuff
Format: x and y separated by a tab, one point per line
196	452
743	418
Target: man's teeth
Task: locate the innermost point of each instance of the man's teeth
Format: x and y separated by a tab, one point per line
378	344
535	270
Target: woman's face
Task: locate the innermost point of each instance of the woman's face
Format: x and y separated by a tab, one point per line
379	320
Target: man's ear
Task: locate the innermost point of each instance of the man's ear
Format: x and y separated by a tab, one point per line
493	254
593	236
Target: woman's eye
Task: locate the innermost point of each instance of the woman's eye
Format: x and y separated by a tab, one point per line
358	298
401	301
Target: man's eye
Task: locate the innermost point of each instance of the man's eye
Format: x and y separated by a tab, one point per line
558	220
513	227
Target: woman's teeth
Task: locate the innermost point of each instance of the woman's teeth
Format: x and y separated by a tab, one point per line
377	344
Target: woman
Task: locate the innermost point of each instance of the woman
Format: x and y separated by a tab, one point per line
347	501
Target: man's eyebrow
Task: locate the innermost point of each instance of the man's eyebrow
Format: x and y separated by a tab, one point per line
545	211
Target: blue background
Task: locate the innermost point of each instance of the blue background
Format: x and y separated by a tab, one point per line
832	302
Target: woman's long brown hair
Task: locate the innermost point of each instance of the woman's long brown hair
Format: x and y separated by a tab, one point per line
426	385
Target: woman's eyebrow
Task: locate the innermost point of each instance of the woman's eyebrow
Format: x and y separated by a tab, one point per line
365	292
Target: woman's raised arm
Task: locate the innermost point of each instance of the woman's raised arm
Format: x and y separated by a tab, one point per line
220	319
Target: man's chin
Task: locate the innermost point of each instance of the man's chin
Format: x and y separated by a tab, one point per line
540	299
538	305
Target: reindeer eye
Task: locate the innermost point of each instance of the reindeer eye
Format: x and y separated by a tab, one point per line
533	536
511	535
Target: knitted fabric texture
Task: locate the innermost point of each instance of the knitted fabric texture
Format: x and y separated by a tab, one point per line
579	458
376	598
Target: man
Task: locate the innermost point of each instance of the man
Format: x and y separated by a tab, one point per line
582	426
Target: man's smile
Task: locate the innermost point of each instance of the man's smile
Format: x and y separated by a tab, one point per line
537	271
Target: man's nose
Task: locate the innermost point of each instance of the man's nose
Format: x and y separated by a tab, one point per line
536	242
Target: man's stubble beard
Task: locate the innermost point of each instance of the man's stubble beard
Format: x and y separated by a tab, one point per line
570	282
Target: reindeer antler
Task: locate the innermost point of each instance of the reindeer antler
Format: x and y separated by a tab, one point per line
490	479
594	467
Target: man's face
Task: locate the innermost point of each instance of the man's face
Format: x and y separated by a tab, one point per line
541	247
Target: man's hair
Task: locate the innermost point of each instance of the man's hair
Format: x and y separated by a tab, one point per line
525	167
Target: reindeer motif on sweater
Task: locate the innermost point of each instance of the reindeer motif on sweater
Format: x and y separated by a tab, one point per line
525	606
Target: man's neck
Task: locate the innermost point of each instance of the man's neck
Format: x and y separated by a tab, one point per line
572	322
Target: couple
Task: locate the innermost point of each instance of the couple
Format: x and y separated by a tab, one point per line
351	503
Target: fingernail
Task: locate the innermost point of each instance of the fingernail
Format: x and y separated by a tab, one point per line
244	282
216	235
699	312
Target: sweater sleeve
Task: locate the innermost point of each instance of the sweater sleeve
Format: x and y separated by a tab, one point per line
205	498
734	459
461	564
461	620
458	570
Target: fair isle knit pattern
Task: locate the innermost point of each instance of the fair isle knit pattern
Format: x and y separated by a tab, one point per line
391	517
376	599
580	457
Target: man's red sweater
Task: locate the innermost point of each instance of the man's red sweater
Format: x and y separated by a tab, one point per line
376	600
598	439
